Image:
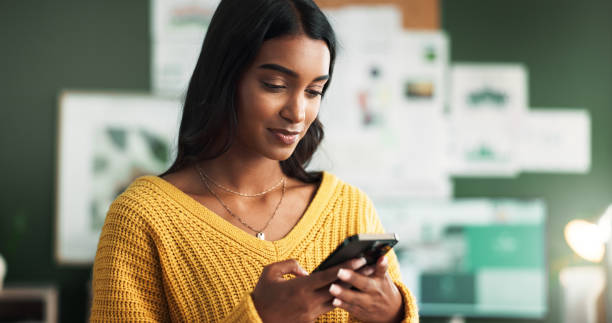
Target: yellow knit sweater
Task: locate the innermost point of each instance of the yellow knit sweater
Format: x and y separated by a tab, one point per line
162	256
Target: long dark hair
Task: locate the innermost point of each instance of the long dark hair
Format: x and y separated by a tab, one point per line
235	35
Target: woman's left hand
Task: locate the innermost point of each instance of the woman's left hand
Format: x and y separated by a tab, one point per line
377	298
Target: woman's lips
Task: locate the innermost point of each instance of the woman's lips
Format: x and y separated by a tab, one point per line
284	136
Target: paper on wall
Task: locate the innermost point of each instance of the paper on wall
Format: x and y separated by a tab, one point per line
494	89
422	60
365	29
377	137
178	28
556	140
483	146
185	20
488	102
391	161
172	65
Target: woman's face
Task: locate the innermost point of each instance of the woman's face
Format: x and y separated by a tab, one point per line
279	95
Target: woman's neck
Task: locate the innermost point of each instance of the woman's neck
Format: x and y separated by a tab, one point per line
243	174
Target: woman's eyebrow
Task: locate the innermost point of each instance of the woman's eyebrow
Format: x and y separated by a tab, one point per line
284	70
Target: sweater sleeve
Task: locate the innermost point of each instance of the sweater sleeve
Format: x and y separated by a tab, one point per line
127	276
370	223
244	312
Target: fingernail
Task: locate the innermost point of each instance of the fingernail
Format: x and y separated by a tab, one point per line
359	263
334	289
304	272
368	272
336	302
384	261
344	274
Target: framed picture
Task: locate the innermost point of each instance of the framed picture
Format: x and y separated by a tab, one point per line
105	141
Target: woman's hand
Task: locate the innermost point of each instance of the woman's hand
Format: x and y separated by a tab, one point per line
377	298
301	299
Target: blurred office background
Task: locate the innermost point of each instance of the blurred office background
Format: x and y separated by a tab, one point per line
487	125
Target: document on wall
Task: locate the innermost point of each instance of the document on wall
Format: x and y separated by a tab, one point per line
365	29
493	89
383	113
421	63
556	140
178	28
172	64
390	160
488	102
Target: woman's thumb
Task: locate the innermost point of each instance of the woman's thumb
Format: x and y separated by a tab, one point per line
290	266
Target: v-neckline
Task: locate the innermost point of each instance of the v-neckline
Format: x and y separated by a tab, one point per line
284	244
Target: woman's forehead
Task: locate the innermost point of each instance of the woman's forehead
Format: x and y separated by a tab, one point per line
299	53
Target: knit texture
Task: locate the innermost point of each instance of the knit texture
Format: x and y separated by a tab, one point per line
163	256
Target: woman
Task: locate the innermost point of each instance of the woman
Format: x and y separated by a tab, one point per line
231	230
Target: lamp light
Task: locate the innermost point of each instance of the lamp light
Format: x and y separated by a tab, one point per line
588	239
583	285
585	239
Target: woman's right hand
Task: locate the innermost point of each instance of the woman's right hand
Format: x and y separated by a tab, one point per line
301	299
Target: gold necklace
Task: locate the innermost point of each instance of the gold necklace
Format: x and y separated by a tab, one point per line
202	173
258	233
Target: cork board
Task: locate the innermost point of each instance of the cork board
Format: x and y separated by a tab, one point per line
417	14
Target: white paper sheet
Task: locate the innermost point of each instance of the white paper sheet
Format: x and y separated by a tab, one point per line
423	69
178	28
488	102
495	89
365	29
185	20
556	140
483	146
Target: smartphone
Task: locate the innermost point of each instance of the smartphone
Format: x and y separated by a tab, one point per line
371	246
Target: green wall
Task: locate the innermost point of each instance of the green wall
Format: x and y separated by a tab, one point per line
47	46
567	48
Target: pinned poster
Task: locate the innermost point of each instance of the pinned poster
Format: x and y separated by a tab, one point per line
422	63
488	102
483	146
390	160
172	64
181	19
386	98
556	140
365	29
178	28
493	89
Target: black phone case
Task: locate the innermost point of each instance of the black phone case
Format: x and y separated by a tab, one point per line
353	247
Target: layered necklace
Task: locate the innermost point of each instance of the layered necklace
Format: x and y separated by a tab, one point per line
259	233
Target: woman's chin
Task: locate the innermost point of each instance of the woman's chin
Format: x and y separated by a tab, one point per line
281	154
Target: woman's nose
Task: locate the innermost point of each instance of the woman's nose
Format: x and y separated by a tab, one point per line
295	108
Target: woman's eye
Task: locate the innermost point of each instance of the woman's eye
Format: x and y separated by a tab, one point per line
314	93
273	86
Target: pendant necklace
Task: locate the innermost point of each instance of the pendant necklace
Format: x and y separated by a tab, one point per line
259	233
